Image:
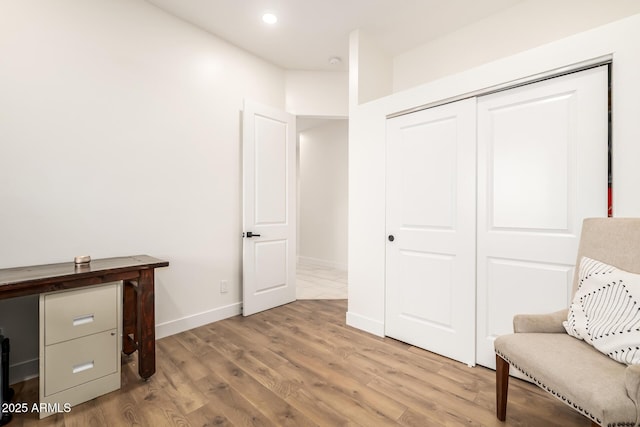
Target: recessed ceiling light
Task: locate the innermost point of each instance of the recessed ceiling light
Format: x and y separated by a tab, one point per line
269	18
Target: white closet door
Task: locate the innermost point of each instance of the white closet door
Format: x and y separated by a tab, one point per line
430	276
542	168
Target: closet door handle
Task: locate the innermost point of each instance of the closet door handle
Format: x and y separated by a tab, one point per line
250	234
391	238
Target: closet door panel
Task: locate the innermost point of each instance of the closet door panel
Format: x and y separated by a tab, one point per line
542	168
430	278
428	174
547	279
522	194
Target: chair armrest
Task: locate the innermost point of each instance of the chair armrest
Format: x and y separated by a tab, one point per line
542	323
632	383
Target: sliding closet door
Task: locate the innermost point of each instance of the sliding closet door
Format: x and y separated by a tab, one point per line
430	277
542	168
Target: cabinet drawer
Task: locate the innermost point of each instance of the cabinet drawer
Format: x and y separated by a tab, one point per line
79	361
73	314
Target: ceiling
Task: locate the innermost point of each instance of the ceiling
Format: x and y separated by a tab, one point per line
309	32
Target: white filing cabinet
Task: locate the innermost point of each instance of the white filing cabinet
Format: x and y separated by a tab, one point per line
80	344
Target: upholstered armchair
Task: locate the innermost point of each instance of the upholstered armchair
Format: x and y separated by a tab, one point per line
604	390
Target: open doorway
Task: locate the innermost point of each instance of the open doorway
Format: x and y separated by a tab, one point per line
322	208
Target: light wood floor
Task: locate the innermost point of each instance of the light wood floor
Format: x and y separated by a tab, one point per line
299	365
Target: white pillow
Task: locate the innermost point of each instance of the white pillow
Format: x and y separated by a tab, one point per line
605	311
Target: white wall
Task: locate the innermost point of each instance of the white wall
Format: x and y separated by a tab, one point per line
370	69
323	194
526	25
317	93
367	145
120	135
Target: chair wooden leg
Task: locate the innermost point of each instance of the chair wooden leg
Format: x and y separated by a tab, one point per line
502	385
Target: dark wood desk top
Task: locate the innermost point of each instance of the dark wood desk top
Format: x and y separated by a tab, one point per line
20	281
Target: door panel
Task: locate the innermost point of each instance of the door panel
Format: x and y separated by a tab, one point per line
271	260
547	279
271	170
526	135
428	174
269	156
428	305
542	168
430	279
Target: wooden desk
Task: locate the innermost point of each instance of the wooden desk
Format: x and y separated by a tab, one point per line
137	274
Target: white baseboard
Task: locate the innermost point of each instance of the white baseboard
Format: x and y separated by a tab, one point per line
173	327
322	262
366	324
23	371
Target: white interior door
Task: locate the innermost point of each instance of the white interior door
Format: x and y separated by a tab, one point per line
269	196
431	213
542	168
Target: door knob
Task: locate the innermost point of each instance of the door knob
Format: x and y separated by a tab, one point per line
391	238
250	234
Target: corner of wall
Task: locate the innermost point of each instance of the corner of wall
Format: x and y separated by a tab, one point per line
366	324
370	70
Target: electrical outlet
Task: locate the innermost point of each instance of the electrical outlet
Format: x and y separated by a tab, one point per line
224	286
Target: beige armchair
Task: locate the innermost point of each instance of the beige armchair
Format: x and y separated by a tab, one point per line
605	391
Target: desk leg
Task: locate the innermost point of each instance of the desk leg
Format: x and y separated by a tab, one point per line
145	327
129	314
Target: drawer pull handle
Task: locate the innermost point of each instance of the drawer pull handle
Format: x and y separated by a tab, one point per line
83	320
83	367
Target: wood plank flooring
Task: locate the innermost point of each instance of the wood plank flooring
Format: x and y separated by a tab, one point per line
300	365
